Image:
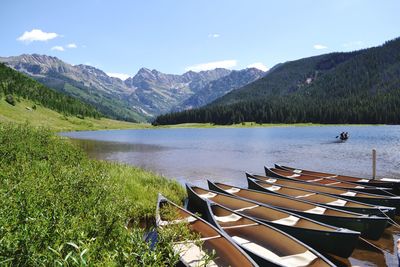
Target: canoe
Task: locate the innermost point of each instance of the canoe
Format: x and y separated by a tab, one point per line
191	253
325	238
320	198
374	199
331	182
370	226
267	245
379	182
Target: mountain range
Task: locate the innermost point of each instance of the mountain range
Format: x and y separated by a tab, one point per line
139	98
354	87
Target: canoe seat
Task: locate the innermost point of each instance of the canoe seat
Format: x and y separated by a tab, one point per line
364	181
348	193
229	218
247	208
239	226
301	259
332	176
192	255
316	210
293	176
270	180
315	180
186	220
359	186
273	188
338	202
306	195
232	190
208	195
333	183
297	171
291	220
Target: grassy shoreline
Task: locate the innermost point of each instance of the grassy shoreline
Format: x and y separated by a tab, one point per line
23	113
58	207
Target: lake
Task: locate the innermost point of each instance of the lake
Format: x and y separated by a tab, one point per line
224	154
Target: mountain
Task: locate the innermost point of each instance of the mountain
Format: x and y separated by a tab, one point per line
355	87
159	93
87	83
15	85
139	98
220	87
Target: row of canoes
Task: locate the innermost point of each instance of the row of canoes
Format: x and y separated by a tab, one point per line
286	218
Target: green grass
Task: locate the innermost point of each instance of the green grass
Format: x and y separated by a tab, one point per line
44	117
253	125
22	112
58	207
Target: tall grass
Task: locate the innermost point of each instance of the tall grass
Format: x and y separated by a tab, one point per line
57	207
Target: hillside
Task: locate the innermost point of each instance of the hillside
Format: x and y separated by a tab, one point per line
38	105
86	83
139	98
356	87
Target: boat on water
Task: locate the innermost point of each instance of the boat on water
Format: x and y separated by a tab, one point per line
323	237
380	200
319	197
331	182
379	182
370	226
193	253
267	245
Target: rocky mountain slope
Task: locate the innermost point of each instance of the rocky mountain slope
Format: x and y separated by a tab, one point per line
139	98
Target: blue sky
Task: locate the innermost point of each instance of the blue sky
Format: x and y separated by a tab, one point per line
175	36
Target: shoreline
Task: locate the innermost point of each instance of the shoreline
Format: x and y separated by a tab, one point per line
148	126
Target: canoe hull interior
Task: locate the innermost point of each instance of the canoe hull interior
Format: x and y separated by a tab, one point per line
390	211
369	227
341	243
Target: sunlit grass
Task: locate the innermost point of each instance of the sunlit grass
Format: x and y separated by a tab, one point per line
58	207
22	112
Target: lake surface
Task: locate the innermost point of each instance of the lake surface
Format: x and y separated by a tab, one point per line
224	154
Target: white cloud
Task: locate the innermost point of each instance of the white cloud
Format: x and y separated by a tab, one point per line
37	35
227	64
72	45
320	46
57	48
214	35
122	76
258	65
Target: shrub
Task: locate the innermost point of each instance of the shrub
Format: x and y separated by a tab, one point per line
10	100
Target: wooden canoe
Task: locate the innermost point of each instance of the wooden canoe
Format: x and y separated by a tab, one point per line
325	238
319	198
379	182
267	245
227	253
374	199
331	182
370	226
